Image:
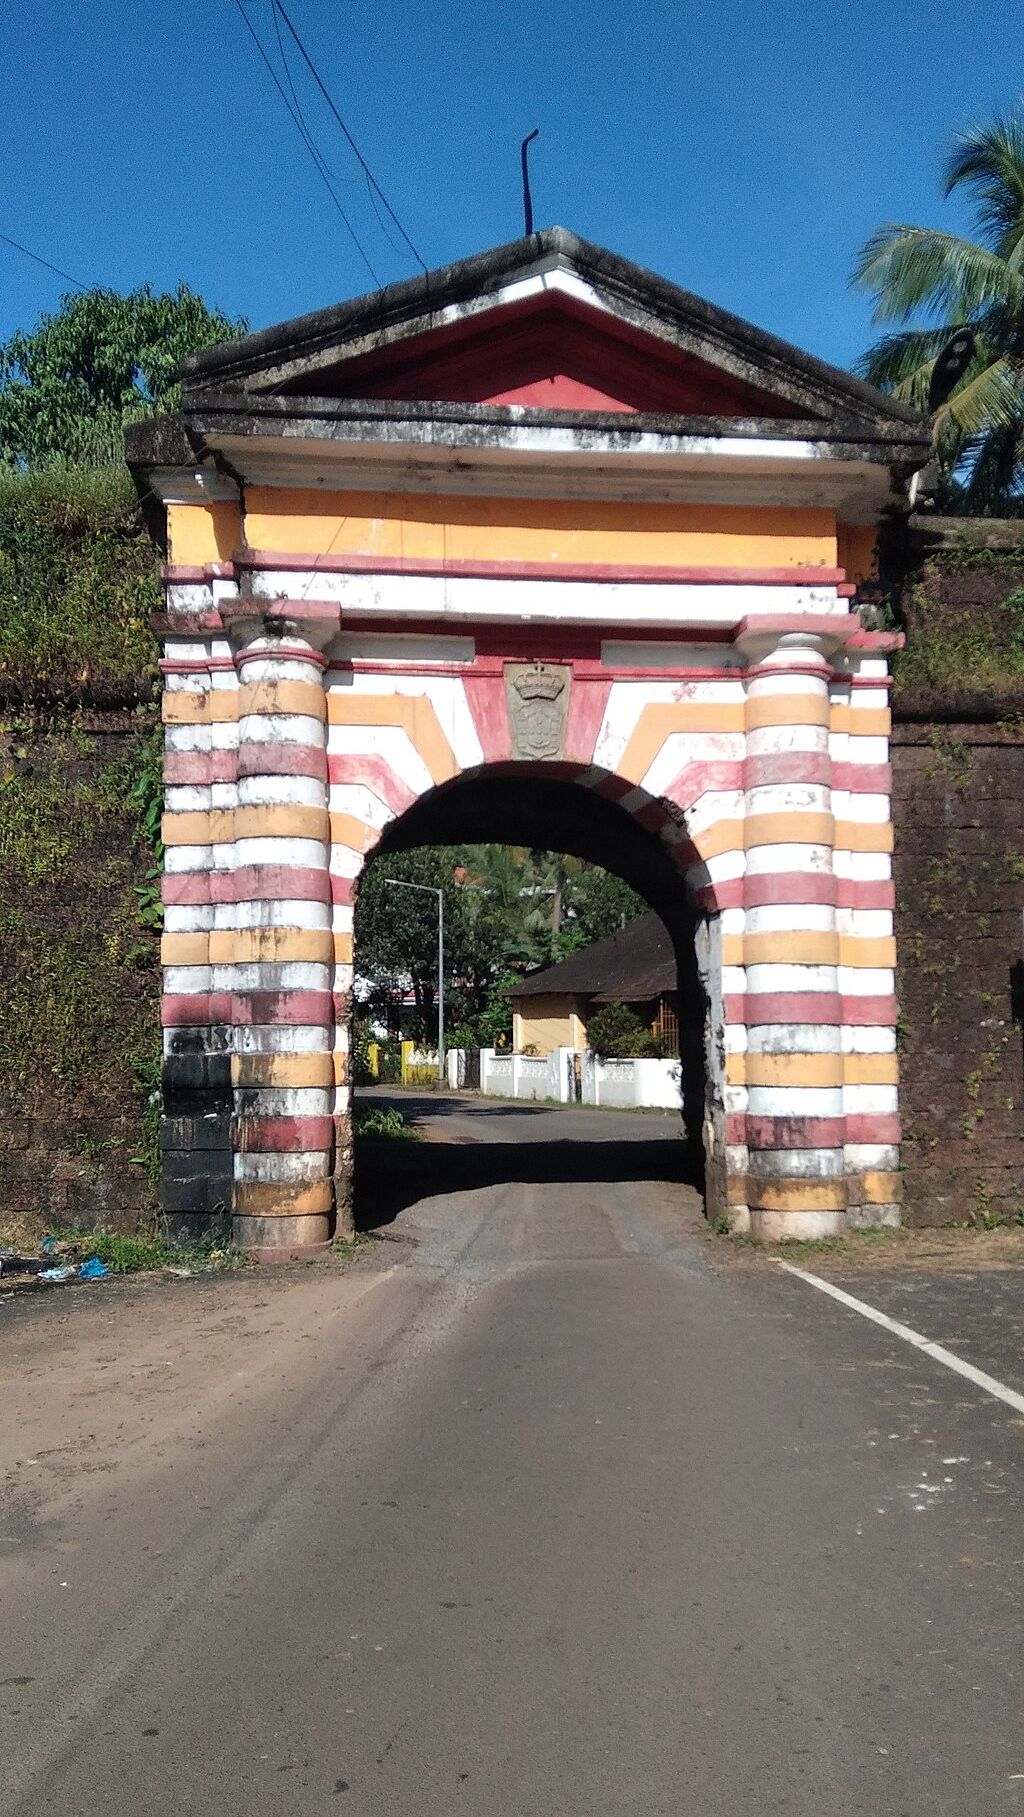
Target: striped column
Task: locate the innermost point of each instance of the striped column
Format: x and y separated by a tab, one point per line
792	1066
867	949
199	713
272	947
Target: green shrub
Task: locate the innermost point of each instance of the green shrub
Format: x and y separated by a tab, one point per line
615	1032
382	1121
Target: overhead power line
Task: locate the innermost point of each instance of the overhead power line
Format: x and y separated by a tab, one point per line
372	182
77	282
318	162
300	118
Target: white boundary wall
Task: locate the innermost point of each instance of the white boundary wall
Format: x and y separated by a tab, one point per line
632	1084
528	1075
628	1084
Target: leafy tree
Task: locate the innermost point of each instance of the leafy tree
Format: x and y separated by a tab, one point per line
550	904
499	913
615	1032
599	903
396	934
69	387
928	283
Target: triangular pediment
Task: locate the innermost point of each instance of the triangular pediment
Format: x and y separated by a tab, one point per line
550	352
549	323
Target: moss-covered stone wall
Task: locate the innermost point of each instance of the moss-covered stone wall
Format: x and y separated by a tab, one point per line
958	812
958	808
79	889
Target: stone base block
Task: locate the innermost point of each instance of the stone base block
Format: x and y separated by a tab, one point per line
288	1239
874	1217
796	1226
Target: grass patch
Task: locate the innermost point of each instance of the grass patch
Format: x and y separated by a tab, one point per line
383	1122
798	1246
851	1239
144	1252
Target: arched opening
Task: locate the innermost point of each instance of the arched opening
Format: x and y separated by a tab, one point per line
593	816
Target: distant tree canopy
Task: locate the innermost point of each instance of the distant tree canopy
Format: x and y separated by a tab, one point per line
507	910
926	284
69	386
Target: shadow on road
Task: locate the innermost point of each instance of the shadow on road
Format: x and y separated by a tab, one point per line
391	1176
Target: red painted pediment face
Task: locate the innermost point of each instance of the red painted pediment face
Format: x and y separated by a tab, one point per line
550	352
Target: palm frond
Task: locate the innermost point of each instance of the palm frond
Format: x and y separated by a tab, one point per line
995	484
920	269
988	397
989	162
901	363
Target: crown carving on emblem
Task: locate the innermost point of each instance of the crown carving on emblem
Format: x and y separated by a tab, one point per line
538	683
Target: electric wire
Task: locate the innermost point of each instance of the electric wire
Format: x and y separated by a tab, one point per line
45	262
367	172
318	165
300	118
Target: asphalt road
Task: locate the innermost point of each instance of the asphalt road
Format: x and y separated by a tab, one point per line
550	1510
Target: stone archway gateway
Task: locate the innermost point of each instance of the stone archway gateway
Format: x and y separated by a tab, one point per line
538	515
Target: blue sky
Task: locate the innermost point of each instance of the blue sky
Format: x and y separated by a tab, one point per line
743	150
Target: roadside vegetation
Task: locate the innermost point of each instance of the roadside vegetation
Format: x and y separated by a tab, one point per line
383	1123
507	911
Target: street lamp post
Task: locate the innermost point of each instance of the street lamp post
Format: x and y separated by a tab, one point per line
399	883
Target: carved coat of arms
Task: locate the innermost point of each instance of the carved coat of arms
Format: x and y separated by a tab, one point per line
538	703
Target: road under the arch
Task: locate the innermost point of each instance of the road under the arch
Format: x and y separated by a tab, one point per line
537	1160
549	1506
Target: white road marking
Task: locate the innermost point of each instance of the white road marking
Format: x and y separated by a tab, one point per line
937	1351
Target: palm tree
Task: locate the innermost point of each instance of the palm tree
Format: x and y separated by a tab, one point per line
930	283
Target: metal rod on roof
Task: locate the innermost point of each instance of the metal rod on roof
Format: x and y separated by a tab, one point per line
527	198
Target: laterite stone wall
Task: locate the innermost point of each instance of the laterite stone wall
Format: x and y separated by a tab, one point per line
79	977
958	811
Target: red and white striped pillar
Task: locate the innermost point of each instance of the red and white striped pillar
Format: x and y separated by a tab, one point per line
273	946
793	1070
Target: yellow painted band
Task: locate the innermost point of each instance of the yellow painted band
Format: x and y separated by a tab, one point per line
205	826
660	719
413	713
214	706
871	1069
305	697
801	946
284	820
280	1198
340	1068
864	722
855	949
721	836
185	949
797	1195
255	945
197	534
792	827
355	834
821	1070
219	826
306	520
807	946
342	949
268	1070
863	836
787	710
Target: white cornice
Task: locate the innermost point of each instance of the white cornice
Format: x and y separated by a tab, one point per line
728	471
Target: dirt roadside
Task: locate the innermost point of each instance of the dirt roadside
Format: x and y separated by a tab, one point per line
103	1381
